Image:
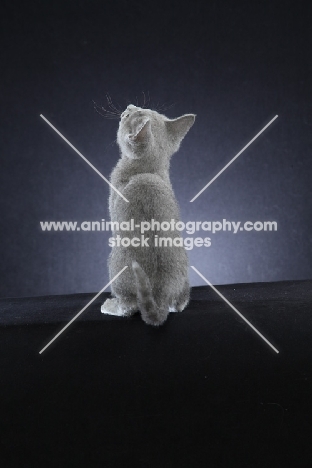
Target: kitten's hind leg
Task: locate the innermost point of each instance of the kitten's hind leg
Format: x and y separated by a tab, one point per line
181	305
119	308
183	298
111	307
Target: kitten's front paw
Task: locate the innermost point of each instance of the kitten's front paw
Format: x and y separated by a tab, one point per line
111	307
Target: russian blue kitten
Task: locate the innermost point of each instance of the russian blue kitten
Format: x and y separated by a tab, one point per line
156	280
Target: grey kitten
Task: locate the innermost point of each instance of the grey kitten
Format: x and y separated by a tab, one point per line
156	280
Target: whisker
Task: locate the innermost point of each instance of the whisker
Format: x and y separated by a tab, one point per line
148	98
106	113
113	114
111	143
106	110
111	105
119	108
103	115
114	108
165	107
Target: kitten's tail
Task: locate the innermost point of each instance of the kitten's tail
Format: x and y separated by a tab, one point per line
151	313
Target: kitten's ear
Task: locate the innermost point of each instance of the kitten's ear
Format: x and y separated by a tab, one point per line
142	133
180	126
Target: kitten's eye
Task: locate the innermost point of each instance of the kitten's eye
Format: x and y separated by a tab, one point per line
125	116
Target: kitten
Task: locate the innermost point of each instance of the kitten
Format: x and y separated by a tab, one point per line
156	280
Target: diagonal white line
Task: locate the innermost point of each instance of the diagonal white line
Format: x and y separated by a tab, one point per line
82	156
234	308
228	164
82	310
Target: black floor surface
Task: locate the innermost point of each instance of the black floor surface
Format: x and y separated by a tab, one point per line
204	390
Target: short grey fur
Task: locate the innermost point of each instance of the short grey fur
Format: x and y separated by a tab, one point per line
156	280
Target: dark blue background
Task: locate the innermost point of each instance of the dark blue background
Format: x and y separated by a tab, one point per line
234	65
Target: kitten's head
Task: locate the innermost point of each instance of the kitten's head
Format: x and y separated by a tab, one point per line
144	132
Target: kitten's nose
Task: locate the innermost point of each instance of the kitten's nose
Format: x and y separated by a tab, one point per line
131	107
